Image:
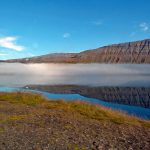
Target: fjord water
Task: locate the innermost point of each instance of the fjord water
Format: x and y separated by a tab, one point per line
91	75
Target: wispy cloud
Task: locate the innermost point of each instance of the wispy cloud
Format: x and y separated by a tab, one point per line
10	43
97	23
144	26
133	34
35	45
66	35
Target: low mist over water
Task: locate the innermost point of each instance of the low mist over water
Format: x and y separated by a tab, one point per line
17	74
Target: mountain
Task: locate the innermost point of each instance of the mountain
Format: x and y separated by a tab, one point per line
131	52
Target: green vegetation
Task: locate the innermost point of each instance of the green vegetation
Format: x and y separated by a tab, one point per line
73	108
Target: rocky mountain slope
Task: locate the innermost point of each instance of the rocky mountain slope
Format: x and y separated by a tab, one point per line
131	52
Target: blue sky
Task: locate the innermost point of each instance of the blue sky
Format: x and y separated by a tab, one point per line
35	27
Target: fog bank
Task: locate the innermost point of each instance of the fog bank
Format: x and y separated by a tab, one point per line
17	74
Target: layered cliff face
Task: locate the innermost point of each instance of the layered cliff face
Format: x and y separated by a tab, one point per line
136	96
132	52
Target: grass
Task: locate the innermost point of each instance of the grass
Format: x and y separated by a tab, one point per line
73	108
22	98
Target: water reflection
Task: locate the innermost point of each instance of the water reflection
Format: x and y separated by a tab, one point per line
136	96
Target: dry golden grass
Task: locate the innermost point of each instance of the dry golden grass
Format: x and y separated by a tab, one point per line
22	98
80	108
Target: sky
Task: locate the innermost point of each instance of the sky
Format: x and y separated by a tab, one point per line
36	27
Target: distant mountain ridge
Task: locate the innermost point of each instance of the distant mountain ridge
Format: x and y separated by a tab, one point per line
130	52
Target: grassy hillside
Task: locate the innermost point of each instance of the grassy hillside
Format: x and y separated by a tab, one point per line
30	121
